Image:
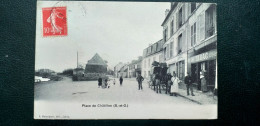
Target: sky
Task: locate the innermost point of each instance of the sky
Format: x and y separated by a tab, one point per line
117	31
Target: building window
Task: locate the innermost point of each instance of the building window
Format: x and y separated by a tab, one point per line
171	49
145	52
149	63
181	70
144	63
165	36
180	44
193	34
172	27
160	58
192	7
154	47
168	51
180	16
210	22
201	25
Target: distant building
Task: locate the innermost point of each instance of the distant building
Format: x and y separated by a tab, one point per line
78	71
117	69
96	65
45	73
150	54
123	72
135	67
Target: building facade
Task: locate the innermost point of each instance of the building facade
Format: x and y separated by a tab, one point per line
190	41
150	54
135	67
123	72
96	65
117	69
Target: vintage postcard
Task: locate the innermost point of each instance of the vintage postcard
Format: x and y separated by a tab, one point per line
125	60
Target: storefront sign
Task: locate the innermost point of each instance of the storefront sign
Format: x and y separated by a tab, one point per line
204	56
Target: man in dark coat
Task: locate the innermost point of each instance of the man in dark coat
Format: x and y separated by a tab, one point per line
188	82
99	82
121	80
139	79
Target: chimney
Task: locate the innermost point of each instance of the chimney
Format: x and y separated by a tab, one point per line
166	12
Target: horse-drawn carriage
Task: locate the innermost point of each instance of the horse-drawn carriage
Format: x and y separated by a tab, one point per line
158	77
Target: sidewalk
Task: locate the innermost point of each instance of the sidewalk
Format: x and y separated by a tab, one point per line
200	97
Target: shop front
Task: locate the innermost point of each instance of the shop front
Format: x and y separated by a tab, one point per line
178	65
204	65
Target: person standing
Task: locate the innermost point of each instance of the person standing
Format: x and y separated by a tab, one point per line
203	82
188	82
175	85
106	83
99	82
103	84
169	83
139	79
114	81
121	80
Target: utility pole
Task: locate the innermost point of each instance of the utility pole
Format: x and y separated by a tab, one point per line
77	60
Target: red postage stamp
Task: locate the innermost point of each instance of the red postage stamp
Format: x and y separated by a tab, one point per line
54	21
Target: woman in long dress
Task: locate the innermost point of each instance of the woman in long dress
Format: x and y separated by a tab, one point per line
175	87
203	82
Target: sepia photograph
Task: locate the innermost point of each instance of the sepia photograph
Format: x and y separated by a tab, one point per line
125	60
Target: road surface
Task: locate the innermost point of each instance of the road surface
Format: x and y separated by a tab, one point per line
75	99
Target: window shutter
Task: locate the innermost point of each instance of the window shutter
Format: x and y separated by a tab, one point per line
189	9
194	32
202	26
198	29
191	35
215	18
171	49
183	13
163	35
184	40
168	51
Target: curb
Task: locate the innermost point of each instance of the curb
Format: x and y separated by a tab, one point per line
190	99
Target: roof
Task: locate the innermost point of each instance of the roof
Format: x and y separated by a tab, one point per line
168	15
158	45
124	68
96	60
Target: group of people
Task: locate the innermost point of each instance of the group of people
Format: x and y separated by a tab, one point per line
172	83
106	84
103	84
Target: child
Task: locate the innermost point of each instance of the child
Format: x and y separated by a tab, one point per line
114	81
108	85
